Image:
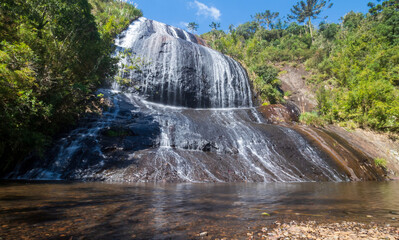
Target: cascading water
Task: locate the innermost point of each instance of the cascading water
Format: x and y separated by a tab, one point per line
180	71
188	117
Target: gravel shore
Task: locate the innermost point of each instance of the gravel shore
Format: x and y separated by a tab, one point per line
333	231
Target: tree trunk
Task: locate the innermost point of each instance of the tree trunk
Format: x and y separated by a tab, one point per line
310	28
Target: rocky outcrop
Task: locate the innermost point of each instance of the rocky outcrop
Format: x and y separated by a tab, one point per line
373	144
280	113
354	162
293	80
189	118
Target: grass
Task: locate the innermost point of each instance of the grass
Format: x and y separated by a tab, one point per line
265	104
380	162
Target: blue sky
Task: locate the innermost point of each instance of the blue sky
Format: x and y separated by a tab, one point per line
226	12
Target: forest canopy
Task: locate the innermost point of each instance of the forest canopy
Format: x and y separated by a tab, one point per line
53	55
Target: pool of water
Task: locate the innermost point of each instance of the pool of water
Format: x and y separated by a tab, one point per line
48	210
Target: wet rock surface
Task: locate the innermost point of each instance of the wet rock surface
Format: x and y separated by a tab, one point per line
179	71
357	164
189	118
158	143
374	144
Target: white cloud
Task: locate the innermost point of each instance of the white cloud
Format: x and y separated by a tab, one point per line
206	11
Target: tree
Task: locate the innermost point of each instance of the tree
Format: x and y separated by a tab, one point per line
214	31
266	17
387	15
247	30
53	55
192	26
308	10
328	30
281	24
374	9
352	20
232	28
214	26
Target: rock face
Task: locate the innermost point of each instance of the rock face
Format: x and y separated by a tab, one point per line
189	118
293	80
278	113
178	71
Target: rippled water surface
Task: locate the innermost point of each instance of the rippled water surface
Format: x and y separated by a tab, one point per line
37	210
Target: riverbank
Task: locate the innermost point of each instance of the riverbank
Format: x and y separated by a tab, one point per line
314	230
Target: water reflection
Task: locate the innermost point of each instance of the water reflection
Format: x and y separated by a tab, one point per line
148	211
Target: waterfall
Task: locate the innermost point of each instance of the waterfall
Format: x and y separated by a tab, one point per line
180	71
188	117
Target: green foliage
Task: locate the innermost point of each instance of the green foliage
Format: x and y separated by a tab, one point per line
129	62
388	4
352	20
324	103
113	16
328	30
266	18
363	71
311	118
266	83
257	47
53	55
308	10
214	26
247	30
355	64
192	26
267	74
380	162
117	132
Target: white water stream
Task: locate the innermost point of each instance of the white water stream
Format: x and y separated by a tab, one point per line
189	118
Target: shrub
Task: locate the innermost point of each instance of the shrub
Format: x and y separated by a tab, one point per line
311	118
380	162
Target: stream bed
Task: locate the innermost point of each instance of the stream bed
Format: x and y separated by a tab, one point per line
75	210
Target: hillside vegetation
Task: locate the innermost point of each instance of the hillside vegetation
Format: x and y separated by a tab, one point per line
53	55
355	63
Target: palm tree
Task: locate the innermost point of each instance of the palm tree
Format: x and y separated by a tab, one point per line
308	10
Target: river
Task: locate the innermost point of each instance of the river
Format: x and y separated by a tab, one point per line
74	210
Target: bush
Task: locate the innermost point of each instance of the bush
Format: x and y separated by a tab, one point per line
268	74
380	162
312	119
